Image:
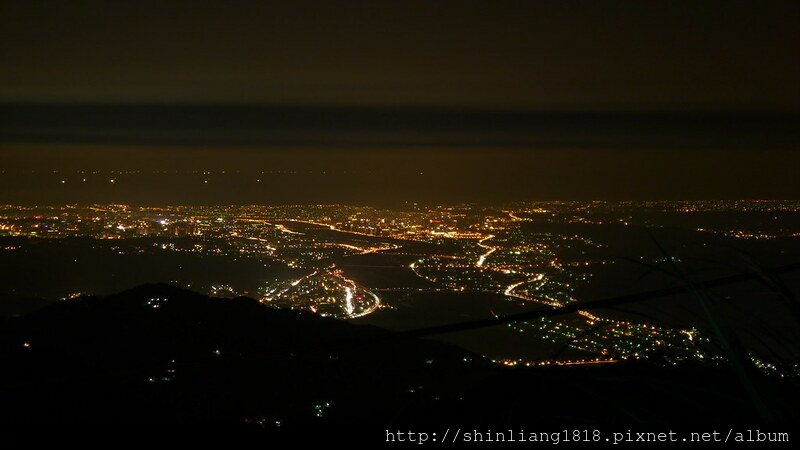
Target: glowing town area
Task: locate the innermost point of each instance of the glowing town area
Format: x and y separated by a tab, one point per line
454	262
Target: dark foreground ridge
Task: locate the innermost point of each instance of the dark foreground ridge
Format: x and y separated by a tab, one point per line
160	354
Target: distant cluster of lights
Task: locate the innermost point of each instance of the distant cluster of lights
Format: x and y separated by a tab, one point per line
493	254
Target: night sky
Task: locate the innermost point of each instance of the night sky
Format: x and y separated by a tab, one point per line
420	101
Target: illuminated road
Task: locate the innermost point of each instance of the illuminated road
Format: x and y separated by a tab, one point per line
348	301
367	250
350	290
283	229
330	227
580	362
515	217
509	291
265	241
489	250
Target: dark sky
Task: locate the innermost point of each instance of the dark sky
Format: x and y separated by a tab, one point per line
539	55
594	99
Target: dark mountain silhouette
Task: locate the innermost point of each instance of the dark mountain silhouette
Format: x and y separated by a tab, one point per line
161	354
